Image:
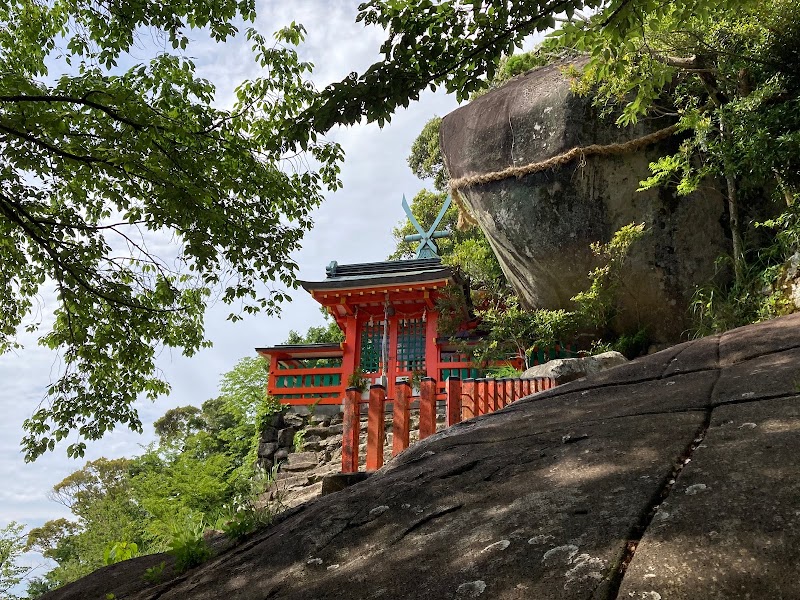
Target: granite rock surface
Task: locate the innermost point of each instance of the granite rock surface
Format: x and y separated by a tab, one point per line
672	476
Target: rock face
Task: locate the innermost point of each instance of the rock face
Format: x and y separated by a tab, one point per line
541	226
674	476
564	370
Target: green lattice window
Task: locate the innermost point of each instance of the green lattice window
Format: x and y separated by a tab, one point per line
371	335
411	345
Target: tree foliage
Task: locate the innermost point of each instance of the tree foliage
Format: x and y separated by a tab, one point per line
727	75
100	497
425	159
203	461
12	544
106	159
318	334
458	45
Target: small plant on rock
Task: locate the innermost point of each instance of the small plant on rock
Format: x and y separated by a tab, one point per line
118	551
299	440
153	574
187	544
252	511
358	380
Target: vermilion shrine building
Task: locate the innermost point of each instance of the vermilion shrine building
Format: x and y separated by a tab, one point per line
388	314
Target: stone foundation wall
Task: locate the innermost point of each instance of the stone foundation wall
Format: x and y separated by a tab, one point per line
302	467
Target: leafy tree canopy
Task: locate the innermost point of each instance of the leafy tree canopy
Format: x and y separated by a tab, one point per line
105	158
457	45
318	334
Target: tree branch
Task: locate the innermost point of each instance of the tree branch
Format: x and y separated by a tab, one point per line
72	100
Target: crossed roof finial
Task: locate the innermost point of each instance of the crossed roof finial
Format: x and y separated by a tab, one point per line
427	247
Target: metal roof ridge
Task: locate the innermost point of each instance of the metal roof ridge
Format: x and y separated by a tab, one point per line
334	269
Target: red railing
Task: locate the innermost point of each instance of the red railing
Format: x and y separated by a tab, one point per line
305	385
463	400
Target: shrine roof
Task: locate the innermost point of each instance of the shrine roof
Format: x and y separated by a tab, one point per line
305	350
390	272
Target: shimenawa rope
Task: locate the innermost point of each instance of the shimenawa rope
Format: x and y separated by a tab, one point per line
465	218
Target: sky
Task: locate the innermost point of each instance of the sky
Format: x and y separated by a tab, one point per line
353	225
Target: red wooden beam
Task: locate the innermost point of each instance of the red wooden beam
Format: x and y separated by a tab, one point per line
427	407
401	417
351	347
375	427
350	430
431	349
391	369
453	402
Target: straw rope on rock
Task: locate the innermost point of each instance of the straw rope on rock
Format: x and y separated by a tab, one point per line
466	219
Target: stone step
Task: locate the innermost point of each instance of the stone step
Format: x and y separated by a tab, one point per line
290	480
324	432
300	461
304	495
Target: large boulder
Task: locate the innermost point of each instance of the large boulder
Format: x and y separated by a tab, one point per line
541	225
564	370
674	476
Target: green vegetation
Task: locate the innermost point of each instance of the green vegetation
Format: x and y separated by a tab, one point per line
119	551
187	544
153	574
99	157
357	380
729	78
202	471
12	545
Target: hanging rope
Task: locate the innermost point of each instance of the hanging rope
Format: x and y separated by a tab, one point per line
466	219
385	339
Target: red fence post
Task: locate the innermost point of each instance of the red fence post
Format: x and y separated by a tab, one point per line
510	392
501	393
526	387
518	389
491	395
480	397
468	399
453	403
375	427
427	407
350	430
401	417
